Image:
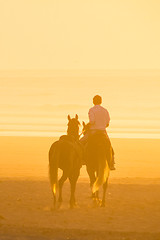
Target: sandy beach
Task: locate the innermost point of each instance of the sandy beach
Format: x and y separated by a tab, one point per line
132	210
63	63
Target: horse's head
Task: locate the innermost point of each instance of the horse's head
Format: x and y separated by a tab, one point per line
73	126
86	128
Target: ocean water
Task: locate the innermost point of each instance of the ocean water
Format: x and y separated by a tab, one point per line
36	103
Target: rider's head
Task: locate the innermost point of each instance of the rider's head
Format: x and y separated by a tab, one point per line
97	100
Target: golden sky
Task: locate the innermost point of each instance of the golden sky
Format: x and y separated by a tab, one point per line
79	34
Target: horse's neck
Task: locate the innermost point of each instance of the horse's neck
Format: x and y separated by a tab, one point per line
73	133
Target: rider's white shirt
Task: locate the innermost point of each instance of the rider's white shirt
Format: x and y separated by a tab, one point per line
98	117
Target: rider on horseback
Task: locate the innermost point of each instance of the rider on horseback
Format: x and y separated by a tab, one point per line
98	122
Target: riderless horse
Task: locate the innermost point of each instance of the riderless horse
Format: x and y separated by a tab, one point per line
66	155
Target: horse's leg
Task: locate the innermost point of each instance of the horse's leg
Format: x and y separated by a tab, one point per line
60	184
104	193
97	192
54	200
92	178
95	195
73	180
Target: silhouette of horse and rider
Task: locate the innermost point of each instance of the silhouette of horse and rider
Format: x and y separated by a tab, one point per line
94	150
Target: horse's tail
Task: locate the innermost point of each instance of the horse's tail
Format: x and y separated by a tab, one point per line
53	168
103	173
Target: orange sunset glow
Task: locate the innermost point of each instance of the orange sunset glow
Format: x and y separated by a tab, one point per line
55	56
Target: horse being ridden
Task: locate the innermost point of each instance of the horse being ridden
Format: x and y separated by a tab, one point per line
98	153
65	154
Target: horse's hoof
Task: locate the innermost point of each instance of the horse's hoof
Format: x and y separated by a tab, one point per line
99	202
95	203
102	205
59	205
74	205
53	209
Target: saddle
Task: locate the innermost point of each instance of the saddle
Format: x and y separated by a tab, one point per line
99	138
77	146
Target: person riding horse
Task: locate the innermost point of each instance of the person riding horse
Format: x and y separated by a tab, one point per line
98	122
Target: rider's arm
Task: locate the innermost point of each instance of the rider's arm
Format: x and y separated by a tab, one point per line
107	119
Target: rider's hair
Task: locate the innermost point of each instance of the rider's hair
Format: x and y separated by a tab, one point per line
97	100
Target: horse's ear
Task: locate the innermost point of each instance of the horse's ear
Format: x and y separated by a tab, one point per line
83	123
69	118
76	117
